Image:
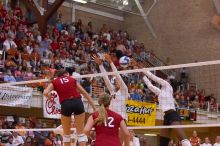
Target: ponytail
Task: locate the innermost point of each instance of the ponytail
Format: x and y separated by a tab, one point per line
102	115
104	101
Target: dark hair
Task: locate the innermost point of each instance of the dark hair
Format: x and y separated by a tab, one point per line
119	54
70	70
60	73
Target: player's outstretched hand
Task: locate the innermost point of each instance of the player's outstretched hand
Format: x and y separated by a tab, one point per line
133	63
97	59
108	58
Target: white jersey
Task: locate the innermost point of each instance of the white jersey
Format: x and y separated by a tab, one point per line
118	104
216	144
165	94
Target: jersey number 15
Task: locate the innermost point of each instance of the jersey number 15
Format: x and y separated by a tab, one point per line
64	80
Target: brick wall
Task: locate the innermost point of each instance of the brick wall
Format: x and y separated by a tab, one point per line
98	21
66	14
183	29
184	35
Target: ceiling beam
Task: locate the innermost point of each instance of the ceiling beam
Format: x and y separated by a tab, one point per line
146	20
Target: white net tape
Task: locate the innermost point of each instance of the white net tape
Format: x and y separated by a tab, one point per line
132	128
197	64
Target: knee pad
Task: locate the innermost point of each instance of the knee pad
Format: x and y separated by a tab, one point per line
164	141
82	138
186	142
66	138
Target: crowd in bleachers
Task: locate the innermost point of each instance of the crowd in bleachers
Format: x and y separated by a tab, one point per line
195	140
30	55
26	55
27	138
197	100
191	97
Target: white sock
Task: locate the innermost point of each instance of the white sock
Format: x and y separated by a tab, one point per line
185	142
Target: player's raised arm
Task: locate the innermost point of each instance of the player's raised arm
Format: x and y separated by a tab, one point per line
156	79
151	86
105	77
118	76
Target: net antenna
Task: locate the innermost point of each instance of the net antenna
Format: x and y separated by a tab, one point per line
40	9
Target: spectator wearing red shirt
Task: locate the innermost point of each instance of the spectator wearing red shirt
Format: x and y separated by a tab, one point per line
195	140
3	12
14	21
17	12
7	25
107	124
23	22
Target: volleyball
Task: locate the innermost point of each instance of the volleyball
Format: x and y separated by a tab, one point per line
124	61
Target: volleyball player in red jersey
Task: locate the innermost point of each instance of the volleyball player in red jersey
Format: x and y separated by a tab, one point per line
107	124
70	99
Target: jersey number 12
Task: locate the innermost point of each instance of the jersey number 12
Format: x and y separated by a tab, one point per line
109	122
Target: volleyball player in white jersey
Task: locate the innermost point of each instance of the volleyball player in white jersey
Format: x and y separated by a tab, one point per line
118	89
167	105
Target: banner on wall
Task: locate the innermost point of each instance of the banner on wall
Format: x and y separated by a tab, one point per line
15	96
140	113
52	108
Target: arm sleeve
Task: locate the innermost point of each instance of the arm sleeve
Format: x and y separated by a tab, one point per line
151	86
106	80
156	79
123	86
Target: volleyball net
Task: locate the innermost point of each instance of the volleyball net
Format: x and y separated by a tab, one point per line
195	90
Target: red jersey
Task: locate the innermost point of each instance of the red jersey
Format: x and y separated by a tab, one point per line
65	86
107	134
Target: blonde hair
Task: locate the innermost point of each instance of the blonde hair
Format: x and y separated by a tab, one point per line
104	101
